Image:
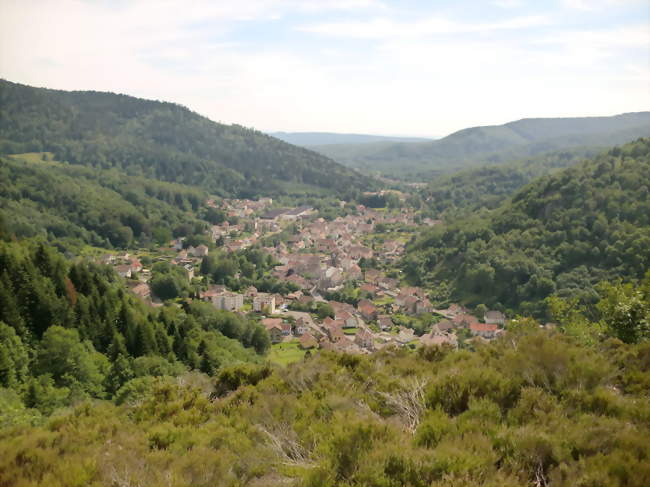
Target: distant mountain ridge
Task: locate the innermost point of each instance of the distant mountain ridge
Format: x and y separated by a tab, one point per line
163	141
493	144
309	139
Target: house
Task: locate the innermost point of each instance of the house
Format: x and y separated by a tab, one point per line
212	292
275	333
385	322
387	283
485	330
333	329
273	214
141	290
274	327
423	306
295	213
372	275
409	303
348	319
445	325
439	339
136	265
367	309
177	244
189	268
464	320
307	341
369	289
354	272
495	318
124	270
264	303
201	251
228	301
365	339
359	252
301	327
405	336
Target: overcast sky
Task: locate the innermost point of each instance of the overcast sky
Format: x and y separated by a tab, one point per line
383	67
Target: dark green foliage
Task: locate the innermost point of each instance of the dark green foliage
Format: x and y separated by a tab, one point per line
162	141
97	206
458	194
559	235
71	330
253	267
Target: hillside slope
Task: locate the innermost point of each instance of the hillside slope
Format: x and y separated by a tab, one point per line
492	144
560	234
163	141
101	207
460	193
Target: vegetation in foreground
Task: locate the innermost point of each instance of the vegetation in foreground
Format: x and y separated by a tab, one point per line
535	408
563	405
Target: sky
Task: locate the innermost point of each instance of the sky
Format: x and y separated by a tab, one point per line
420	68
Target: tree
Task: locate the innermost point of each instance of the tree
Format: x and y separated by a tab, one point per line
71	362
14	358
323	310
625	309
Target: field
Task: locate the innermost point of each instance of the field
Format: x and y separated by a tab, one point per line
286	353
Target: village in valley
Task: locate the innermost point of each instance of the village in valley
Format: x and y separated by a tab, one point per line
340	288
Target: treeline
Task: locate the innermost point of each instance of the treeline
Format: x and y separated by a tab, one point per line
162	141
536	407
560	235
72	330
105	208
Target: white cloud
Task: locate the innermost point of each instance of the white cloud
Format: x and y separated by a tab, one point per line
380	28
507	3
595	5
426	77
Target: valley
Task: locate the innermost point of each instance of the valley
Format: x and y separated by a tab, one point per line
184	302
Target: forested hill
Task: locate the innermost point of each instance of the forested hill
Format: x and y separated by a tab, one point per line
460	193
164	141
561	234
493	144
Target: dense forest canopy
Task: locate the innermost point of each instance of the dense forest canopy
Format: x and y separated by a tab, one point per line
162	141
70	330
101	207
561	234
463	192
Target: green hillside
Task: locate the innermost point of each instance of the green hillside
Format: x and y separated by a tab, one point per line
451	196
561	234
162	141
491	144
71	330
100	207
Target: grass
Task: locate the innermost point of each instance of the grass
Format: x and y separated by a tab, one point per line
383	301
350	331
33	156
286	353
